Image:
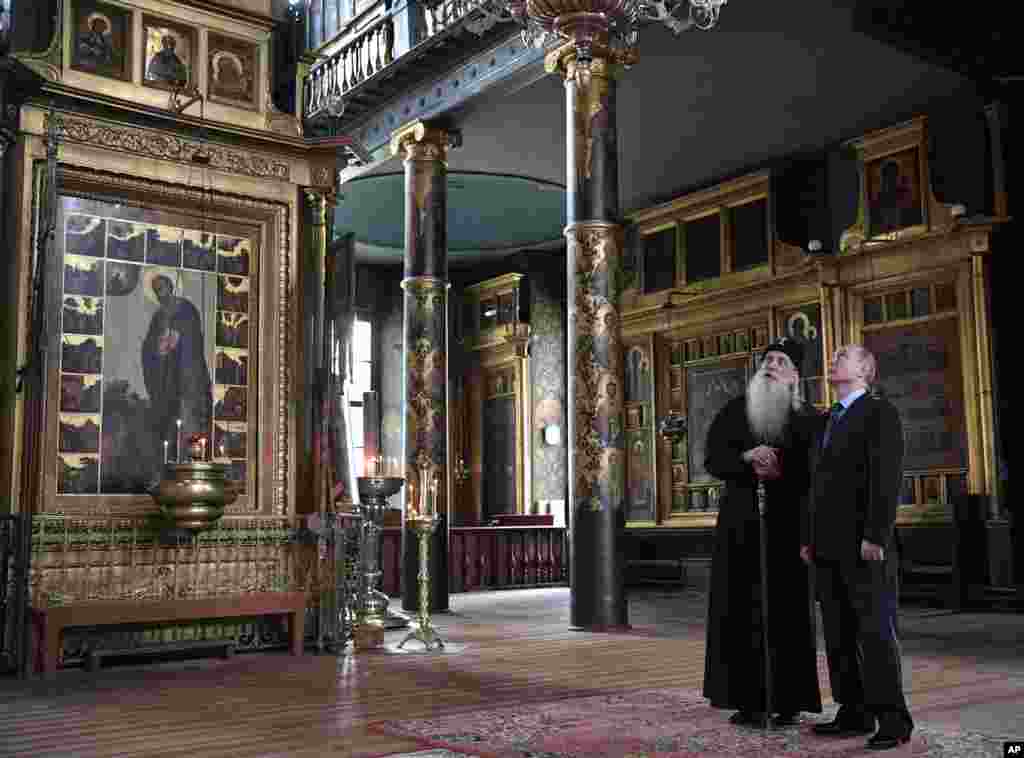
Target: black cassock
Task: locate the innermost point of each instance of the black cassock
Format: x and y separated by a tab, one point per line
734	663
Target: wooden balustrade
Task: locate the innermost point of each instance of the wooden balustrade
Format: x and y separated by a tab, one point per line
487	558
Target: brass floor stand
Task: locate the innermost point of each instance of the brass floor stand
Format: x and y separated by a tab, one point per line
423	631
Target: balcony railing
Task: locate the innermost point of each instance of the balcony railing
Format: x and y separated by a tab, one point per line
374	51
329	81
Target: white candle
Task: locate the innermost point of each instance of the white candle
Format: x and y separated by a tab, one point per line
165	452
179	440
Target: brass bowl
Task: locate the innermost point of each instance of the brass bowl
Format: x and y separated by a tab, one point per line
193	495
378	486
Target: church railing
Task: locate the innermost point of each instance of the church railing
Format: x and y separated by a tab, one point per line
489	558
400	39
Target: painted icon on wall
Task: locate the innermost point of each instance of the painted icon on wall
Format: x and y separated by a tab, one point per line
169	53
232	71
804	326
895	196
148	346
99	41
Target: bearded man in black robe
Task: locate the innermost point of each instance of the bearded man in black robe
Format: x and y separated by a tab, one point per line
766	434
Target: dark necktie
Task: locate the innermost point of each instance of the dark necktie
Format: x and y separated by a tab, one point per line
833	418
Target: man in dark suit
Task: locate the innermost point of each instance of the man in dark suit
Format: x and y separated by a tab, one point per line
848	535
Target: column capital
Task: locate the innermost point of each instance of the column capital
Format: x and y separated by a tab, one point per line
606	62
420	141
329	195
316	200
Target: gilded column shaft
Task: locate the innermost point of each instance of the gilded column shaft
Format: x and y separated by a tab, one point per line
593	260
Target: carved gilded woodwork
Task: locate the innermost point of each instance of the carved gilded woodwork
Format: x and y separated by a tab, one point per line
499	365
912	209
169	147
741	311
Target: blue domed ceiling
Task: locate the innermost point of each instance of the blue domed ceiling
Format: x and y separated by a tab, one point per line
488	215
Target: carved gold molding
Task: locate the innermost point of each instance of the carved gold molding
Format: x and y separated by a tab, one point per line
876	145
168	147
730	193
605	62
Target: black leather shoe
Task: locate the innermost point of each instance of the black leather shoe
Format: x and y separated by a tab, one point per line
893	730
847	723
747	718
887	740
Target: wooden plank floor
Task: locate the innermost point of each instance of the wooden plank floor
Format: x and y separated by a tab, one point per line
505	648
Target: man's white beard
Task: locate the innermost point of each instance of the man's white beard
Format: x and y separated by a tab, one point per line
768	406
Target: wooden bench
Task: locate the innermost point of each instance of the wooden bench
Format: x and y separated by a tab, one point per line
51	622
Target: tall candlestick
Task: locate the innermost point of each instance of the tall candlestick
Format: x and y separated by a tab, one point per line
371	423
178	442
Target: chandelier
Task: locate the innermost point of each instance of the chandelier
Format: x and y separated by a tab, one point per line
614	24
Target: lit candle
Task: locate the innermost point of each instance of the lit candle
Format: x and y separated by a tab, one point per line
178	443
222	450
412	499
202	441
165	452
433	497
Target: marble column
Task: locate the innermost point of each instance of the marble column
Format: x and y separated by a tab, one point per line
595	373
424	150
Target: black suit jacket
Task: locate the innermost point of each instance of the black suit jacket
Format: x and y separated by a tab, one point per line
856	481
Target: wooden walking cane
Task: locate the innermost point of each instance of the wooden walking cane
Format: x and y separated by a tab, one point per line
762	499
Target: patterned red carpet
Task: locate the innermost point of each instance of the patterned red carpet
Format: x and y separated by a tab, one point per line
662	723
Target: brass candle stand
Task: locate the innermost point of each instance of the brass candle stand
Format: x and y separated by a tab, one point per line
374	616
424	525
